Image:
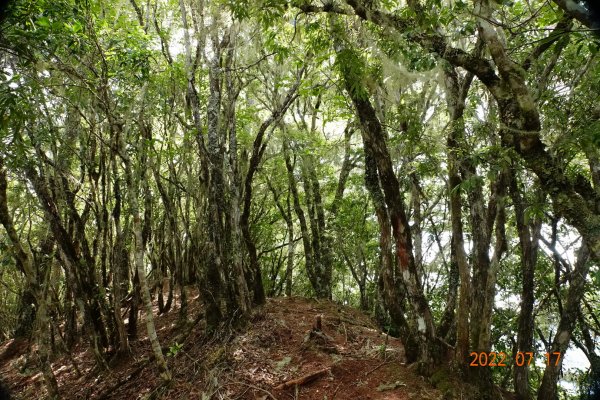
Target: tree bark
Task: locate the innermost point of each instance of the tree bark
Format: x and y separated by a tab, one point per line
374	139
529	243
258	149
311	271
24	261
134	175
561	340
391	288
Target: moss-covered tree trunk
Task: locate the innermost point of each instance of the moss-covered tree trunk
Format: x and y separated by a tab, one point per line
455	100
135	174
38	284
529	234
374	139
392	289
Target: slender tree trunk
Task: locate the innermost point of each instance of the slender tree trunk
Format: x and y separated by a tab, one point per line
392	290
325	256
561	340
133	184
308	249
78	267
528	242
120	269
258	148
165	374
417	233
289	271
322	276
44	326
500	247
286	214
374	139
170	260
134	306
24	260
455	100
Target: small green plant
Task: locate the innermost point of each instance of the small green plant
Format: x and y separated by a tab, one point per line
283	363
381	350
174	349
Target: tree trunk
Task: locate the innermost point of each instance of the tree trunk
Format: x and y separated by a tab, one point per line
314	206
120	268
528	241
311	270
374	139
455	100
566	325
258	148
78	265
26	313
289	271
286	214
133	185
392	290
24	261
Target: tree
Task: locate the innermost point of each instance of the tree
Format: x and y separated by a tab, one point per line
137	169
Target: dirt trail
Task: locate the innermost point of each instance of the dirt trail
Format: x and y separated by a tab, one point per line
281	346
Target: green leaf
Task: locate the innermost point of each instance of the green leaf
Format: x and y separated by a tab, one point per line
44	22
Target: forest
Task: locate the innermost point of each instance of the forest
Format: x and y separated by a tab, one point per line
432	166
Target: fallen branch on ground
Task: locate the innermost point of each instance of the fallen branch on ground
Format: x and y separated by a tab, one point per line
303	380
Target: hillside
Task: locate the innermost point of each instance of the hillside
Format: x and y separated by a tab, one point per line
351	358
434	163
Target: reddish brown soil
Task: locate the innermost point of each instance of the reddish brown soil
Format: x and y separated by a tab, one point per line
274	348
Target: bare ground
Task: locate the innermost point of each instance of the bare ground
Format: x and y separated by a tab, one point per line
352	359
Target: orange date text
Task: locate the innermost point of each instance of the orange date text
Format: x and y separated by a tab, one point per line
501	359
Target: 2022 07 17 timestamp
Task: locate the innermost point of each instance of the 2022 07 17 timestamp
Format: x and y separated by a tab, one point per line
501	359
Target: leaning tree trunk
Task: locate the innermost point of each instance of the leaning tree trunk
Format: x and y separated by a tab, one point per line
286	214
24	261
78	267
133	184
258	148
566	325
311	271
374	139
391	289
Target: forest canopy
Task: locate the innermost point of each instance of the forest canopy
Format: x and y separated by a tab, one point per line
435	163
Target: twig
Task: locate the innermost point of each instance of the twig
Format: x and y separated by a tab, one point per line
335	391
377	367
